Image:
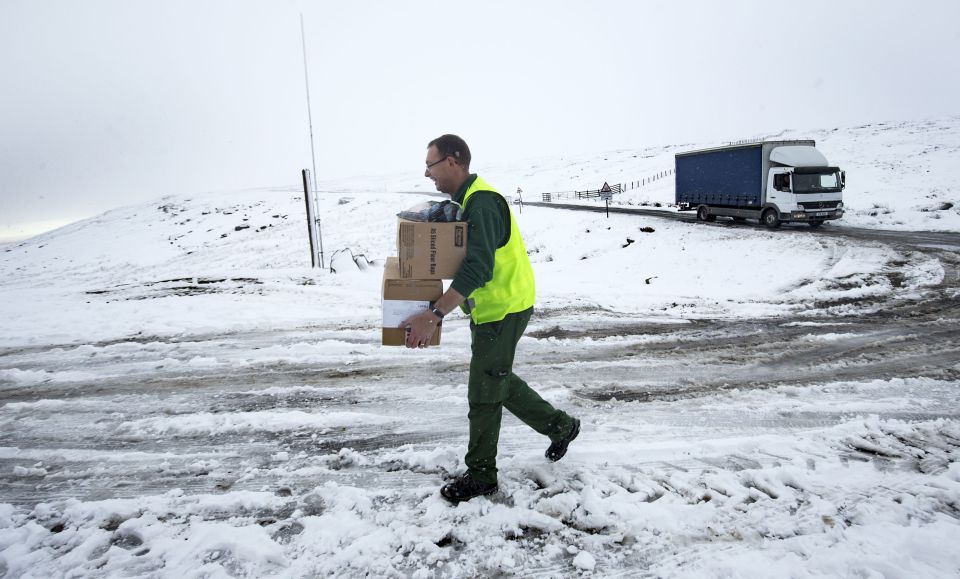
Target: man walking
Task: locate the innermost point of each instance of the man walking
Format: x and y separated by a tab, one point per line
495	287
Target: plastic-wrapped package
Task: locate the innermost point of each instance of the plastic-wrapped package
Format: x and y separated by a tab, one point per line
440	211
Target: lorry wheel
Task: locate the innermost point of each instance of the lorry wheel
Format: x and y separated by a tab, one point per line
770	219
815	223
703	214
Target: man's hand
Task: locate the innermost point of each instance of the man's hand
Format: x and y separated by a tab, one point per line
420	328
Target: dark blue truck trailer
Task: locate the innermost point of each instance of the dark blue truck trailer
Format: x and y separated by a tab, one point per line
772	181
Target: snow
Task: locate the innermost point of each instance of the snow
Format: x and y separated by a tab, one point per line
184	396
584	561
265	421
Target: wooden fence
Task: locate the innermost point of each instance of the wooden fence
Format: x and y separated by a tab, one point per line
614	189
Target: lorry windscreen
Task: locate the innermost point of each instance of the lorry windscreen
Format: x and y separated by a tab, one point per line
816	182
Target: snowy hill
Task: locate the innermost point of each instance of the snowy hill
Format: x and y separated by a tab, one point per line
109	268
240	261
182	395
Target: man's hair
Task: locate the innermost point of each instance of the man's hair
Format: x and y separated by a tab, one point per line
452	146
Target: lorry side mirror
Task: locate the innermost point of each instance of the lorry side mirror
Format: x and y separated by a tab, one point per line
843	179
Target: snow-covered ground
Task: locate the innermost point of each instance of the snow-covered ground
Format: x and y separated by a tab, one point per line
182	396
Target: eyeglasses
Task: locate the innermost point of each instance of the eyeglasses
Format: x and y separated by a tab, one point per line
438	161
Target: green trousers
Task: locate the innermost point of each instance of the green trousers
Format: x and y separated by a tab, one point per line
493	386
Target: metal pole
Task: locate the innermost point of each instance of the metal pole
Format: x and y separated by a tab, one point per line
306	78
320	239
306	199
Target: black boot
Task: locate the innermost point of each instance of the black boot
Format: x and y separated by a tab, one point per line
465	488
559	448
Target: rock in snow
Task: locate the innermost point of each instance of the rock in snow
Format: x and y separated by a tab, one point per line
584	561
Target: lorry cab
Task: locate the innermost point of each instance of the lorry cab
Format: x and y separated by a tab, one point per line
772	181
801	186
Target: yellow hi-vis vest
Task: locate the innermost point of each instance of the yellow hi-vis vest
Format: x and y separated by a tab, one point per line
512	288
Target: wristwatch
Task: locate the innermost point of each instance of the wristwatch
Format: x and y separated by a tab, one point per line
437	313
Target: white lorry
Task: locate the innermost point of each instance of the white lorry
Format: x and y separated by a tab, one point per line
772	181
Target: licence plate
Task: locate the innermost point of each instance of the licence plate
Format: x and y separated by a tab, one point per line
821	214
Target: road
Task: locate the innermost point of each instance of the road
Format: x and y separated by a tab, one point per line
918	336
946	240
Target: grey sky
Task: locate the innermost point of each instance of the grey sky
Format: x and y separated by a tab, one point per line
111	102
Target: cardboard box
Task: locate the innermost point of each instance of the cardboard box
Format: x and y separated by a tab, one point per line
404	297
430	250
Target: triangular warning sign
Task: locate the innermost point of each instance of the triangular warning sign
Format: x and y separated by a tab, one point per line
606	188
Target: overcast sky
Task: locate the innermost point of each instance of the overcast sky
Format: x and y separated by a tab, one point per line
113	102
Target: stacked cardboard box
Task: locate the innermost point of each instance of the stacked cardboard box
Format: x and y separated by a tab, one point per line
428	253
430	250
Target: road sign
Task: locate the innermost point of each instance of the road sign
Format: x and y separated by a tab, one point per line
606	193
